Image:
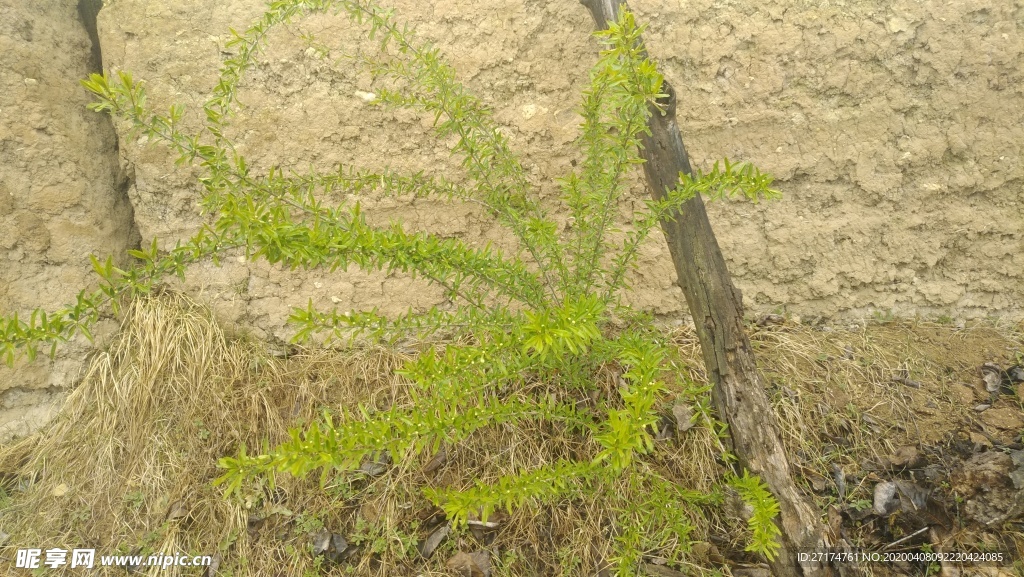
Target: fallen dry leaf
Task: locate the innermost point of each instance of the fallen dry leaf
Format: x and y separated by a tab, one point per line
476	564
434	541
436	462
177	510
683	415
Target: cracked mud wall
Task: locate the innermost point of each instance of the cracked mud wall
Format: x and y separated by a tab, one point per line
895	130
62	191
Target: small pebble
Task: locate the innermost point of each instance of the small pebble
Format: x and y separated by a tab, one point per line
365	96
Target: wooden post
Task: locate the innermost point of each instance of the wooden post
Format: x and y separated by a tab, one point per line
717	311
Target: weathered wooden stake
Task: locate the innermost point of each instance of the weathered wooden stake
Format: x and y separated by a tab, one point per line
717	310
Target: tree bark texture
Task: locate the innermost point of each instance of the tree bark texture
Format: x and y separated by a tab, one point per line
716	306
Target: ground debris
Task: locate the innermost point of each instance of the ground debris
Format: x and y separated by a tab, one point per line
333	546
661	571
683	414
437	461
985	483
476	564
376	467
434	541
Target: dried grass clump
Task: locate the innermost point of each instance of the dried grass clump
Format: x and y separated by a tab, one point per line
128	466
850	395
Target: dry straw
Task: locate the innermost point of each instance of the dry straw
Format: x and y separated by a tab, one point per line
129	463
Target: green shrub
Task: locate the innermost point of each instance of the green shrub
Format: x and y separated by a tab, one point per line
541	315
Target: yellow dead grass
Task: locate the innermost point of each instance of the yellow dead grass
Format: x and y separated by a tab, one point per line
129	464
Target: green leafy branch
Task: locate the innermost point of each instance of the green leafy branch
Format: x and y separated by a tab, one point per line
765	533
19	337
259	212
541	485
615	110
654	517
727	180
